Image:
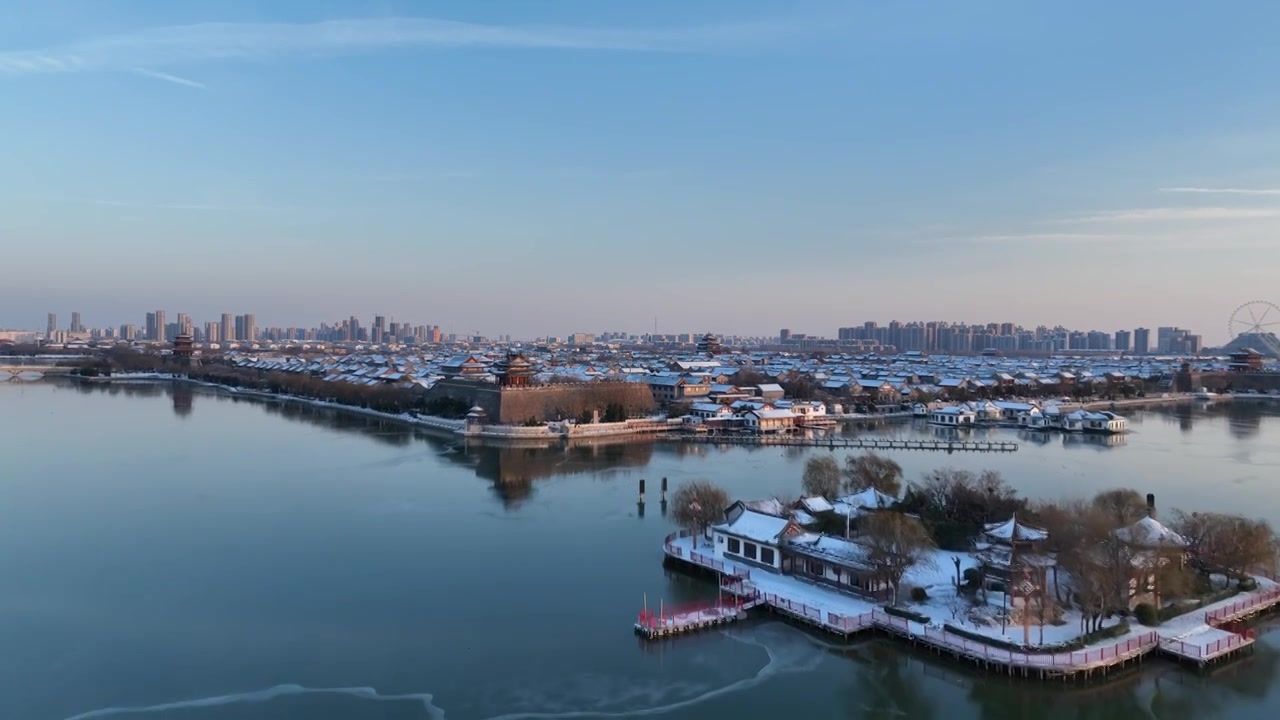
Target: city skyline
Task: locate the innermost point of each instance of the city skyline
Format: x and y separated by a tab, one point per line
922	335
742	166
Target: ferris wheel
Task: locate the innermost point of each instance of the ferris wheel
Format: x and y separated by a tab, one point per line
1256	317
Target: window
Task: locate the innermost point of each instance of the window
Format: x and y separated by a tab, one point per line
749	551
766	555
735	547
815	567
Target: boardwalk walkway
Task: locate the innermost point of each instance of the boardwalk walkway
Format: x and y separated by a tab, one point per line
858	443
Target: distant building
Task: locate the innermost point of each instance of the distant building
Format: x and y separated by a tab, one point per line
1141	341
1122	341
1246	360
227	328
709	345
76	325
51	326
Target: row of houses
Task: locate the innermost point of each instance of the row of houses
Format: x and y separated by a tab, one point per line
1027	415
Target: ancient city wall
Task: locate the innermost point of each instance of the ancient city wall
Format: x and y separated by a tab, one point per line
540	403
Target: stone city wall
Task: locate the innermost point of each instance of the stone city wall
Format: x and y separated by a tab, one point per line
540	403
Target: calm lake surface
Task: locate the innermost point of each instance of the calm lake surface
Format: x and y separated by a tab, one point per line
172	554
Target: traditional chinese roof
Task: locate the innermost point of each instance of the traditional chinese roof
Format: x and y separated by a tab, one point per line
756	526
816	504
1150	533
868	499
1014	529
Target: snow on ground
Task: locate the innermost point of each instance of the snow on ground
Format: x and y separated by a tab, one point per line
937	576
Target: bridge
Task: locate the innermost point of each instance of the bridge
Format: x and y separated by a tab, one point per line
34	367
32	372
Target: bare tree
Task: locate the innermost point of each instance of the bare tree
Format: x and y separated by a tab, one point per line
873	470
1101	566
697	504
1232	544
1066	533
1123	505
821	476
895	543
958	604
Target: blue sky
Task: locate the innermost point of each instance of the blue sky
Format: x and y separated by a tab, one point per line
533	167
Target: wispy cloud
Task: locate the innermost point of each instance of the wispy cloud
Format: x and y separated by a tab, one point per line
1223	191
170	78
205	42
158	206
1183	214
1051	238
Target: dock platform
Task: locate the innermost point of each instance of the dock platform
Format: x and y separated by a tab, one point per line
851	443
691	618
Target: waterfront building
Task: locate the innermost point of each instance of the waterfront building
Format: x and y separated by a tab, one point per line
953	416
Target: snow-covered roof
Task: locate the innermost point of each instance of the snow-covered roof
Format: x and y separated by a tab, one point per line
1014	529
803	518
1151	533
756	526
838	549
817	504
770	506
868	499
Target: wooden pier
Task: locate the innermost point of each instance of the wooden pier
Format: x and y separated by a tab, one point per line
691	618
1223	636
853	443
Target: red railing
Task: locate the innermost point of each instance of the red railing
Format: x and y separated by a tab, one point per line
845	623
1214	617
1213	649
685	615
700	558
1080	658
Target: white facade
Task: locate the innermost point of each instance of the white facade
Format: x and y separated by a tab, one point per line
952	416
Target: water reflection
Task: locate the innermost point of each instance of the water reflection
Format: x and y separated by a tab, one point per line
1092	441
183	399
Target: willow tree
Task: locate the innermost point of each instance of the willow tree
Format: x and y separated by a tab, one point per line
821	476
870	470
894	544
697	504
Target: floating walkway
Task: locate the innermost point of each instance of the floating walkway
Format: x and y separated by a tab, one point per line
666	623
858	443
1222	634
1201	640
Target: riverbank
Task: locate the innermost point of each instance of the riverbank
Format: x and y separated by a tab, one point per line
543	434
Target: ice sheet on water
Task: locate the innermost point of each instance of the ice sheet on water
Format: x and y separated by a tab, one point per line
694	670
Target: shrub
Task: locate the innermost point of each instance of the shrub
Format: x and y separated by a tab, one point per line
972	577
1071	646
919	594
907	614
1248	584
1146	614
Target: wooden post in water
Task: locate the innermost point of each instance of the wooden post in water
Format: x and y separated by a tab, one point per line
640	502
663	505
